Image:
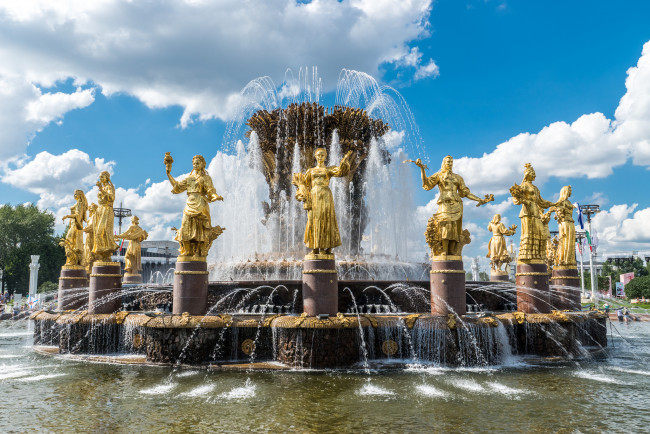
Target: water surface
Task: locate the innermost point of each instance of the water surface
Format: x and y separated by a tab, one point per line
57	394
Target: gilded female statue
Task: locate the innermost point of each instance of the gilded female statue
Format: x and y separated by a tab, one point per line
497	249
196	233
566	252
74	240
322	230
104	239
89	257
445	234
533	240
135	234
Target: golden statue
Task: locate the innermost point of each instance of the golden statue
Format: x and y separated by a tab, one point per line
497	249
322	230
135	234
532	248
74	240
104	239
196	233
445	234
89	257
566	251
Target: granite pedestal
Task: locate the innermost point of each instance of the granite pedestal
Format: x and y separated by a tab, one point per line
190	286
533	295
105	285
70	296
448	286
319	285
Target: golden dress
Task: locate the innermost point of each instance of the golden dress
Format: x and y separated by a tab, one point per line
322	230
533	237
567	248
74	237
196	223
497	249
450	203
135	234
104	237
90	239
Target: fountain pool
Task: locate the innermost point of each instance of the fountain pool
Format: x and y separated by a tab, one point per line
42	393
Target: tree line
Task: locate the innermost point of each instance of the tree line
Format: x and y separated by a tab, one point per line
24	231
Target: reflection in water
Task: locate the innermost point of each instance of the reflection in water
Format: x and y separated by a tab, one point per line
57	394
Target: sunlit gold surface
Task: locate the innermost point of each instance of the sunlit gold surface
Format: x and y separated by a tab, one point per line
73	241
104	238
196	233
497	249
445	234
566	249
322	230
89	230
135	234
533	242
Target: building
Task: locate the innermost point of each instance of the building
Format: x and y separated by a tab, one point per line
158	258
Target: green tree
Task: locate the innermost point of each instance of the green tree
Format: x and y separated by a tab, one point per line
26	231
638	287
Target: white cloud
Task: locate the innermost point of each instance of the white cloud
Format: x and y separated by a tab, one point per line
54	176
194	54
623	227
25	110
53	106
589	147
428	70
413	59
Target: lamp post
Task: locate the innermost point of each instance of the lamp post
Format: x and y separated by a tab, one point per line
121	213
590	210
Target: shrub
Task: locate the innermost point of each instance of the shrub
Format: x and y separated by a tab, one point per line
638	287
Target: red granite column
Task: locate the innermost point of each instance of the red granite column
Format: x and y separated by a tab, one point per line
320	285
132	278
190	286
565	287
448	286
69	296
533	295
499	276
105	284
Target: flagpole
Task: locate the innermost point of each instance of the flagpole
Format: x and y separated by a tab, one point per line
580	237
589	210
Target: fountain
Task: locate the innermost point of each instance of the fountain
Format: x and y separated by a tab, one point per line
236	294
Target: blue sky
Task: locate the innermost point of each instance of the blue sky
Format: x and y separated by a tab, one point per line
124	82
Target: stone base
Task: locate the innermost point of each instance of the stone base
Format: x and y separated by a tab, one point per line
448	287
533	294
132	278
105	282
72	278
320	287
565	288
190	286
499	276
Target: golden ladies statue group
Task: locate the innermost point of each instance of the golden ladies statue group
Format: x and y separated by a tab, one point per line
445	234
100	241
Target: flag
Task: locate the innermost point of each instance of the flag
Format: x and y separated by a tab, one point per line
580	217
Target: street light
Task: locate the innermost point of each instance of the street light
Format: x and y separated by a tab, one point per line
590	210
121	213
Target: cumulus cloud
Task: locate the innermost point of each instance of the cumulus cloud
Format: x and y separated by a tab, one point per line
56	175
197	55
590	147
25	110
623	227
